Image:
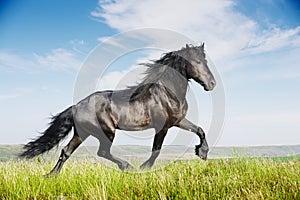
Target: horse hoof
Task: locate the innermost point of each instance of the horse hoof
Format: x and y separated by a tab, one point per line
203	157
126	166
201	151
129	167
145	166
49	175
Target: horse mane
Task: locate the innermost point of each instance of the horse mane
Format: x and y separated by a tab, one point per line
159	71
169	64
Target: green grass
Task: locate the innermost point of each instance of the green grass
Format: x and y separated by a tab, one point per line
195	179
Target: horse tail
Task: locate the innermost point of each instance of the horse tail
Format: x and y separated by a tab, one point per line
60	125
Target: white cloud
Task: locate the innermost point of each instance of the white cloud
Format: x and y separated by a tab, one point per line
274	39
12	60
226	32
109	41
79	46
58	59
120	79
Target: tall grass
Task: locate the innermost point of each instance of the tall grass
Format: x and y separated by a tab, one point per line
195	179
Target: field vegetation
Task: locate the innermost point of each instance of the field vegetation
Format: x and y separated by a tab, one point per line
238	178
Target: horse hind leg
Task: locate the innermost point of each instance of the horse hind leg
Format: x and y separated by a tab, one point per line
66	152
104	151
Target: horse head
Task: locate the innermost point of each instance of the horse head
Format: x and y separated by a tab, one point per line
197	68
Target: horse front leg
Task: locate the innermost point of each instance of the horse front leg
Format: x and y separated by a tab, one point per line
202	149
157	144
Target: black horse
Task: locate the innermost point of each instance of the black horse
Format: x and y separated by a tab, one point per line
157	102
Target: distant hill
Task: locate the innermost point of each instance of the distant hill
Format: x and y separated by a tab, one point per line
10	152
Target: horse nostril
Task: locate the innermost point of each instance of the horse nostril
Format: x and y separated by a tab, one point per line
212	83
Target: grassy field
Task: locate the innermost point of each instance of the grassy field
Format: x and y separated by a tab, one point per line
241	178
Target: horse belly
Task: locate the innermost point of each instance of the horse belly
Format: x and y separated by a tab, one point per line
134	122
132	119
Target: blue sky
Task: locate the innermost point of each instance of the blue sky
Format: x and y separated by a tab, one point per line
255	46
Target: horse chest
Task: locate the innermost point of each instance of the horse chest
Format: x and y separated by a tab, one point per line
170	111
178	112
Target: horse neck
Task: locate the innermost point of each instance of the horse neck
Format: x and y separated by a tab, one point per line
175	82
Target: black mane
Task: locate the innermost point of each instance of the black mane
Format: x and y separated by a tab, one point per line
170	65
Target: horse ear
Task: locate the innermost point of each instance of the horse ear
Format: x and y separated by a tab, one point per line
187	46
202	45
